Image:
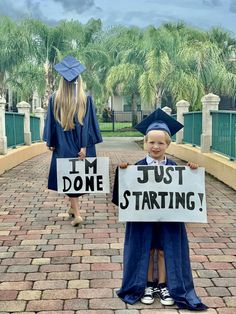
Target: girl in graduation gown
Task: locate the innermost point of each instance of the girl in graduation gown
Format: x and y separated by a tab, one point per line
71	127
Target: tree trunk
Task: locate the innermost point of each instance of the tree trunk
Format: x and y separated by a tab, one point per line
159	93
2	85
49	80
134	110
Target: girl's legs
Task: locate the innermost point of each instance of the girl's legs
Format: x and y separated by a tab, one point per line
75	206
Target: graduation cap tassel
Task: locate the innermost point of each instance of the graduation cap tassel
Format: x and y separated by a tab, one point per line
76	92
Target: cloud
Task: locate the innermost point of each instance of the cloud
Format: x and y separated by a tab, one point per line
148	18
28	8
212	3
141	13
8	8
24	9
32	5
34	10
79	6
232	6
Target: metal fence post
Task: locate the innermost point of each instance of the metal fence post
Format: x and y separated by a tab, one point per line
3	138
113	120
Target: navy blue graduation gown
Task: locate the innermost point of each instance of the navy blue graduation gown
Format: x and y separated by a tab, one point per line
68	143
137	246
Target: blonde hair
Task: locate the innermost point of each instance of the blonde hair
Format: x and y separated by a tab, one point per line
66	105
167	137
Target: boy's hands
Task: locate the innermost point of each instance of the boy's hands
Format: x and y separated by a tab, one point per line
123	165
191	165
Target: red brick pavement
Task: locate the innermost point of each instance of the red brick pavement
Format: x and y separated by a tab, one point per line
47	266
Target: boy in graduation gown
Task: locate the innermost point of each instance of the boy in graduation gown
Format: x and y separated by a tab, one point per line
169	239
71	127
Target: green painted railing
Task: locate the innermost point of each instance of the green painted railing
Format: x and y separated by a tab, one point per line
193	128
14	128
35	129
224	133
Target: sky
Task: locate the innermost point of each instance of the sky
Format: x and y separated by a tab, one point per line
203	14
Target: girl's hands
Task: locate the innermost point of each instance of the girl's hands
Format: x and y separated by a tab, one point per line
123	165
82	153
192	165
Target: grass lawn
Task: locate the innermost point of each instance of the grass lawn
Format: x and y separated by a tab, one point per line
121	129
122	134
108	126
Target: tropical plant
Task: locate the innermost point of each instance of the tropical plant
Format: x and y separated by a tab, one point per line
123	80
14	49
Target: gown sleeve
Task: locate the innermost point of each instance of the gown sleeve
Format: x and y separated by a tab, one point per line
115	193
90	134
49	133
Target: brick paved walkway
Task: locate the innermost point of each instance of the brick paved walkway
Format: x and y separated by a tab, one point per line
47	266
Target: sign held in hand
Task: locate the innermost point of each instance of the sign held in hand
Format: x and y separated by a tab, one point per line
90	175
162	193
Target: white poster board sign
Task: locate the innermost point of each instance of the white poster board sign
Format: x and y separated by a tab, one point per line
162	193
90	175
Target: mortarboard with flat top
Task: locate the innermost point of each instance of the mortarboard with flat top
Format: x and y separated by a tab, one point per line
159	120
70	68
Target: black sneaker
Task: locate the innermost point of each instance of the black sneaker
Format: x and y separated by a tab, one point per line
164	295
148	297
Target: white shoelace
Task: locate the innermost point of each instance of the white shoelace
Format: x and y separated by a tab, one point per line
148	291
165	292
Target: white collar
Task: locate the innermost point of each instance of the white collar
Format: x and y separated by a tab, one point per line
151	161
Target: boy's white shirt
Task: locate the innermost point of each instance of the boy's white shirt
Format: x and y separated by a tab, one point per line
151	161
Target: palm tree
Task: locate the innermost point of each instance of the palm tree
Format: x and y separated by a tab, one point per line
166	66
46	44
184	63
14	48
123	80
50	44
105	51
26	79
173	59
127	53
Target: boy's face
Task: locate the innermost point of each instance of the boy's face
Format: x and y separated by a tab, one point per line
156	144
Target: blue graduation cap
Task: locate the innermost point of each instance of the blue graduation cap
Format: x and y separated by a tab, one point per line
70	68
159	120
